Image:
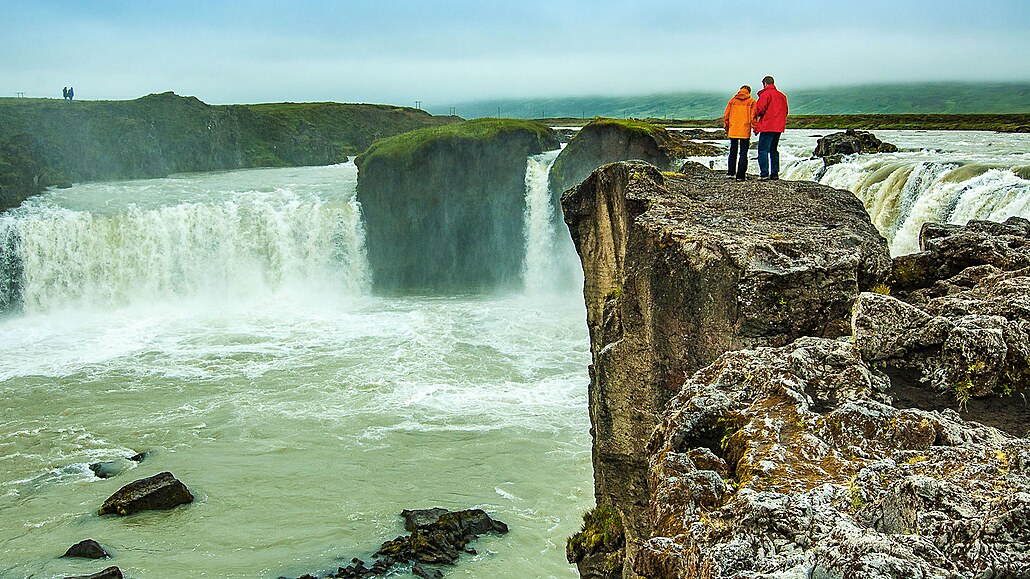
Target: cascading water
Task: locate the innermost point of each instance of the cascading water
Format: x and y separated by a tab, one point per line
551	260
940	176
221	322
252	244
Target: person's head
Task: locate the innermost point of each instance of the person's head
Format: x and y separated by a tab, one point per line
768	81
746	87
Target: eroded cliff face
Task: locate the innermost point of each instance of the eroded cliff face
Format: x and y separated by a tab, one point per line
680	268
443	208
756	415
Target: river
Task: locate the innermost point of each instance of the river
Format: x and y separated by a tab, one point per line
224	324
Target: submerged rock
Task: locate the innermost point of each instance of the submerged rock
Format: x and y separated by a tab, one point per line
110	468
834	146
109	573
159	492
679	269
87	549
443	207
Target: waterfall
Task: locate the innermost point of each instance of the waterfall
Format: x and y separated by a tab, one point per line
551	262
246	246
902	192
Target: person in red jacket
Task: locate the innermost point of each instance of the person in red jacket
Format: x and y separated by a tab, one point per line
740	113
770	122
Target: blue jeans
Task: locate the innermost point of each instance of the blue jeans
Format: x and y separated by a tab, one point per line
767	143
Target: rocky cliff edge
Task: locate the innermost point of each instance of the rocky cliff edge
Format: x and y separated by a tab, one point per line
756	413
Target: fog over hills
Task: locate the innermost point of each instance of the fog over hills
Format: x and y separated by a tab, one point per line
923	98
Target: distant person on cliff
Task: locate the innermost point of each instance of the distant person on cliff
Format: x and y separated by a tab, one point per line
770	122
71	93
64	93
737	120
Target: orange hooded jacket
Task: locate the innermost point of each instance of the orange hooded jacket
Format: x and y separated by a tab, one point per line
739	114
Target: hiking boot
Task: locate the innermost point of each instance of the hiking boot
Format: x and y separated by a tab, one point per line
774	177
764	178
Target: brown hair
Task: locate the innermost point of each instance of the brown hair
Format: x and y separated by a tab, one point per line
768	80
747	87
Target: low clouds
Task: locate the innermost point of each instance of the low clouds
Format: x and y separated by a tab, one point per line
456	50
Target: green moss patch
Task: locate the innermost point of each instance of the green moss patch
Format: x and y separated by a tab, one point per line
602	532
405	145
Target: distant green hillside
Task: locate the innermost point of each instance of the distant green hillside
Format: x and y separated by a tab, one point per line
952	98
46	142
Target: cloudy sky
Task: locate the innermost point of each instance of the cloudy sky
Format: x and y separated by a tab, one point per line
443	52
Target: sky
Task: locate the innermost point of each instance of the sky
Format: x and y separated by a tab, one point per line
445	52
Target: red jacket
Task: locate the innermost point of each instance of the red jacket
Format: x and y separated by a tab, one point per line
771	111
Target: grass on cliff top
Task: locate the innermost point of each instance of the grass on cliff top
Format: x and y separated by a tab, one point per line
485	129
631	125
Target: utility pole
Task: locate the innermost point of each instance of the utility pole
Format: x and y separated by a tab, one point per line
498	112
452	111
418	105
21	95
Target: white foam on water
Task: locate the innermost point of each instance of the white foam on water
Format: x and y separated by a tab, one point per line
264	374
930	179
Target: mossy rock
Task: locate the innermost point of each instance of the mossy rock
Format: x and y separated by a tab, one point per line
598	547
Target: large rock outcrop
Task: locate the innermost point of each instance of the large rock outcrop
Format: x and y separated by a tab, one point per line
958	322
444	207
680	268
606	141
792	463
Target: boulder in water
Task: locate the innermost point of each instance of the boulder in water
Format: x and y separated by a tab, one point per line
438	537
109	573
833	147
87	549
159	492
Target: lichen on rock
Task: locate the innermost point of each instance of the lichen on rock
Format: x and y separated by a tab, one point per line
682	267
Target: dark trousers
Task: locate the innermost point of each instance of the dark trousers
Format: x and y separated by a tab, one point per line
738	157
768	156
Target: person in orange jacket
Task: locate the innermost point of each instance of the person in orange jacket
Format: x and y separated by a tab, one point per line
770	122
738	120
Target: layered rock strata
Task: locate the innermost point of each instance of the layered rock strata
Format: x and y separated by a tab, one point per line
682	267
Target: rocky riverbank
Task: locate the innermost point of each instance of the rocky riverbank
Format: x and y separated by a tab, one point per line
744	427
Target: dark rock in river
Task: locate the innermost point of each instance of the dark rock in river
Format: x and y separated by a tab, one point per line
109	573
834	146
110	468
682	268
87	549
159	492
444	207
438	537
421	518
